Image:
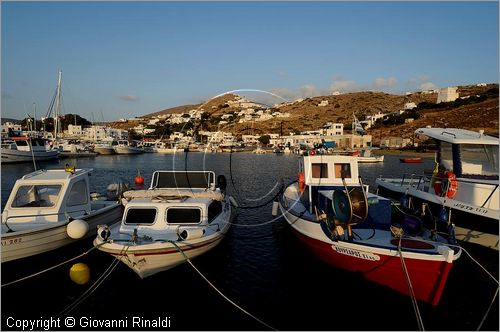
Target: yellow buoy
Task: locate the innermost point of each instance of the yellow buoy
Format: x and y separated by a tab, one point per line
80	273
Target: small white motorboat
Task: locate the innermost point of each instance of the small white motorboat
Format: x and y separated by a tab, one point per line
181	215
48	209
126	147
24	149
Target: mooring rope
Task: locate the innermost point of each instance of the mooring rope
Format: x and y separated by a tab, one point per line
94	286
487	311
50	268
218	291
410	287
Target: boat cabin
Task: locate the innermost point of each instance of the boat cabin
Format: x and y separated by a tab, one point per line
48	196
467	153
176	201
327	172
24	143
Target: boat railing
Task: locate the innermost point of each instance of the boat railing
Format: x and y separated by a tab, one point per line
66	214
419	182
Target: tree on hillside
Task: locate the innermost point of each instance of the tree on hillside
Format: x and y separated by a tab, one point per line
264	139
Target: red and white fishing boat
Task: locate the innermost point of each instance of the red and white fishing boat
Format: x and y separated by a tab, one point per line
181	215
332	213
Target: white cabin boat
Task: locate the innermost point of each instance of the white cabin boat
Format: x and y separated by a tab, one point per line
166	148
339	221
48	209
367	157
24	149
463	188
106	147
126	147
182	213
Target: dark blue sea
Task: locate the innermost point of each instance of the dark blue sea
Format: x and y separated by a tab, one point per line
259	265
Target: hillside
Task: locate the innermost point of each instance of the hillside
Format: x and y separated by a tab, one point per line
474	113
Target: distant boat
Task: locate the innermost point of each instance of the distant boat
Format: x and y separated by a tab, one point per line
125	147
106	147
24	149
410	160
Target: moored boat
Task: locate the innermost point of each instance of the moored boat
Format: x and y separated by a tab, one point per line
334	215
181	215
415	160
49	209
463	189
24	149
126	147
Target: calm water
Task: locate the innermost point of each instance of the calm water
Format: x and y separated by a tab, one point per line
259	265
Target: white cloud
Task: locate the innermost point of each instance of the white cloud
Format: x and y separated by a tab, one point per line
343	86
428	86
385	82
129	98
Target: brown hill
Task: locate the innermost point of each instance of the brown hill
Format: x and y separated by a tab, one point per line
475	114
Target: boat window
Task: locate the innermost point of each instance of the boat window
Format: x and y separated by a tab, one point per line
22	143
319	170
479	159
140	216
214	209
182	179
342	170
36	196
183	216
78	194
446	155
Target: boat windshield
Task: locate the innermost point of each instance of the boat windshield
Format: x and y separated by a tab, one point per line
479	159
36	196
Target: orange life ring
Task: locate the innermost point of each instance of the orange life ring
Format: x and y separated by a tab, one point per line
446	184
302	181
451	183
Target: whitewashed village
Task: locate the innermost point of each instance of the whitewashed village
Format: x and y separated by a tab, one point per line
144	133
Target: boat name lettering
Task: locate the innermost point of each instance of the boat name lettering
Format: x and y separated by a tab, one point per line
356	253
470	208
11	241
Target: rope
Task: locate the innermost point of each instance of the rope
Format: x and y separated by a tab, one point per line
50	268
218	291
457	246
410	287
487	311
94	286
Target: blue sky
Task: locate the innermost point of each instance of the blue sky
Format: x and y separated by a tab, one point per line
125	59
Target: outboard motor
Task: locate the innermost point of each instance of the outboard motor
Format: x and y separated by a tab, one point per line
222	182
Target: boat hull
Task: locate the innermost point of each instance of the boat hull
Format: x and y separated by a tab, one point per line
427	273
128	150
16	156
104	150
21	244
149	262
411	160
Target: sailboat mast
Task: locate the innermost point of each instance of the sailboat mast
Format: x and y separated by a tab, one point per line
58	108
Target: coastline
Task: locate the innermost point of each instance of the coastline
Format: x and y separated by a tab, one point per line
403	153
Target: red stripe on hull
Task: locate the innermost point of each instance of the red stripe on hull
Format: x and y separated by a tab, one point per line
427	277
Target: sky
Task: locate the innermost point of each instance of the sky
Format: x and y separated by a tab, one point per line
127	59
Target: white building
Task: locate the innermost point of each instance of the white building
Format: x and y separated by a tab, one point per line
12	126
447	95
323	103
410	106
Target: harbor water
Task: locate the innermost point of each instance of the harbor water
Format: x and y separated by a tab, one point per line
259	265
